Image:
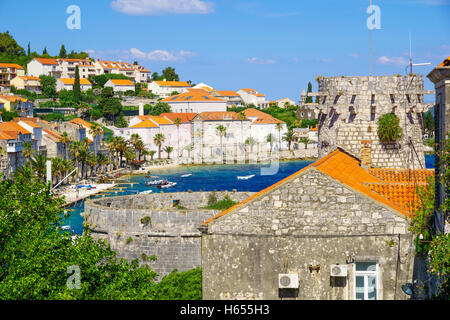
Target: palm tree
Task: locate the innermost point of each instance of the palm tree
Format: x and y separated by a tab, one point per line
121	148
241	117
168	150
95	130
65	140
102	160
152	153
305	141
251	142
57	168
75	152
159	139
24	172
189	149
289	137
84	155
39	165
177	122
140	148
135	139
279	126
129	155
28	151
221	132
270	138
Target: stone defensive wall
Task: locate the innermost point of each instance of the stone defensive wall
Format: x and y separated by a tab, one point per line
161	224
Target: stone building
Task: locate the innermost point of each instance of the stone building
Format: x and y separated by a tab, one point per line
349	108
334	215
160	224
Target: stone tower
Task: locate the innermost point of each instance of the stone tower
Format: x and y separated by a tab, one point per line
349	108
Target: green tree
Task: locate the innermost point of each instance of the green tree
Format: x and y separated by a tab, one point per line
221	131
29	51
289	137
179	286
45	51
309	99
62	52
152	154
48	86
159	139
170	75
121	122
9	46
428	123
110	106
76	85
168	150
389	129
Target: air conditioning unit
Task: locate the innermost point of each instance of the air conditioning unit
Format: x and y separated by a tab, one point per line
288	281
338	270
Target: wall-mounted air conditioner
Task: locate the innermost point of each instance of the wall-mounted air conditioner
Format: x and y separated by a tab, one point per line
338	270
288	281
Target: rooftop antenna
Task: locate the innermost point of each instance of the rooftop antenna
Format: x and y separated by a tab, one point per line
411	64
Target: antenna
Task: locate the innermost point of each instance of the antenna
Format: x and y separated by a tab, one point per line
411	64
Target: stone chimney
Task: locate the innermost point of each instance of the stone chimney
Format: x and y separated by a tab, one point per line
366	153
141	109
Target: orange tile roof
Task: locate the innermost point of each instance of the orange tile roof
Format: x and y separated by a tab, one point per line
13	98
184	117
31	123
248	90
316	128
445	63
11	65
5	136
29	78
347	169
262	117
192	97
53	135
157	120
172	83
71	81
82	122
122	82
13	127
259	95
219	116
201	91
145	124
46	61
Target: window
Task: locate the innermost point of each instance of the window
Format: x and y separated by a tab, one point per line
366	281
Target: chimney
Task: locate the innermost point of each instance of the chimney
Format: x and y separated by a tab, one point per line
366	154
141	109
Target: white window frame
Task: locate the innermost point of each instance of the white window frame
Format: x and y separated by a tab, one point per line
366	274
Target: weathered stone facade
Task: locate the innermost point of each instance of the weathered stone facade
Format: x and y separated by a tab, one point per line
303	226
151	225
349	108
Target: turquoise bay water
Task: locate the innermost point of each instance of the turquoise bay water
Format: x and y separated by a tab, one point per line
205	178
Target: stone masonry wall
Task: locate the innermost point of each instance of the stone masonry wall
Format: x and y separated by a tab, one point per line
311	220
169	233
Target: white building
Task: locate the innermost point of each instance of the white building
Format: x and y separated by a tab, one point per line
136	73
195	102
120	85
32	84
250	96
282	102
232	98
67	84
86	68
263	124
166	88
41	66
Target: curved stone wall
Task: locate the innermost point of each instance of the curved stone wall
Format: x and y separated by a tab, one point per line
140	226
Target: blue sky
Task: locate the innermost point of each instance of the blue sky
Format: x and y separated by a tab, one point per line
275	47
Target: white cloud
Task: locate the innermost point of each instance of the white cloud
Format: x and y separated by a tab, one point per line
160	7
160	55
354	55
399	61
260	61
324	60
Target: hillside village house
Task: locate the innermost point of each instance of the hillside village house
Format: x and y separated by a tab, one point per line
232	98
32	84
97	140
120	85
250	96
282	103
22	106
195	102
41	66
182	136
263	124
334	230
166	88
203	86
67	84
86	68
8	71
51	139
137	73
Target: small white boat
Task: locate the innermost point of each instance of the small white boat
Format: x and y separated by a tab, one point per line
245	177
154	182
167	185
186	175
146	192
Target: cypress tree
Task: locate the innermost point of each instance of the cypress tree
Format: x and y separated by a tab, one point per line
62	52
76	85
45	51
29	51
309	99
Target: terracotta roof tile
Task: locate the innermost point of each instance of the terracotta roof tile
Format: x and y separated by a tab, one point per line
184	117
172	83
11	65
145	124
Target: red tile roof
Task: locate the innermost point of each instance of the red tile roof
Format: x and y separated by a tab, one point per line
11	65
262	117
184	117
347	169
47	61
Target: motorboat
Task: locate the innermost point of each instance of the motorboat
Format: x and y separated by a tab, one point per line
245	177
186	175
167	184
146	192
154	182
